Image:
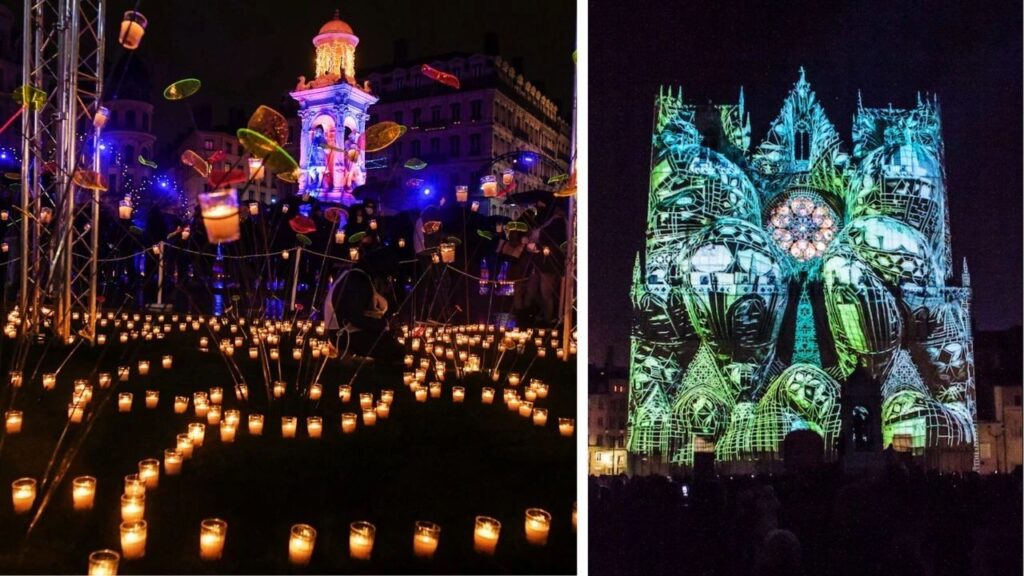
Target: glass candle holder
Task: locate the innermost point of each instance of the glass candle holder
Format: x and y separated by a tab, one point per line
487	395
227	433
538	524
540	416
83	492
458	394
279	389
314	426
366	401
132	508
383	409
344	392
360	540
152	398
348	422
232	417
425	538
301	543
197	432
216	395
315	391
212	534
220	215
49	381
213	415
172	462
133	28
183	444
13	420
489	186
133	539
143	367
167	361
134	486
485	535
104	563
566	426
256	424
149	472
369	417
421	394
180	404
288	426
23	494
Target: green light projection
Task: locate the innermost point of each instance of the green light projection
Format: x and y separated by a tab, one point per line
861	239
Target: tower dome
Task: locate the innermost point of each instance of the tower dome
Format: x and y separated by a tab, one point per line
336	50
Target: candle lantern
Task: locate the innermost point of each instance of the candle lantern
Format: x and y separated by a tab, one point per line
383	409
23	494
143	367
180	404
421	394
540	416
353	254
183	444
301	543
369	417
49	381
475	206
167	361
339	237
507	177
566	426
387	396
487	396
105	380
314	426
542	390
275	354
124	208
76	411
461	194
485	535
232	417
149	472
216	395
172	462
227	433
132	507
16	378
256	424
408	360
220	215
101	339
360	540
297	353
373	223
288	426
525	408
134	486
152	398
344	392
13	420
489	186
574	517
435	389
83	492
212	533
104	563
197	432
401	242
513	379
447	252
366	401
133	539
133	28
530	394
538	524
425	539
348	422
45	215
315	390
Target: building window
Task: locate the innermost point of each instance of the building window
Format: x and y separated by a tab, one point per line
416	148
435	114
416	113
474	144
145	121
474	109
453	146
208	144
456	112
435	145
129	119
398	117
129	155
399	82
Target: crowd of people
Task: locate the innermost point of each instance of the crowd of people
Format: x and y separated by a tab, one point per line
900	521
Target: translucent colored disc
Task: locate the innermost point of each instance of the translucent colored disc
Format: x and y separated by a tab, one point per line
383	134
270	123
89	180
182	89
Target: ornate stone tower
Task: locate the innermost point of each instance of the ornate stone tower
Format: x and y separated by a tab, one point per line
333	111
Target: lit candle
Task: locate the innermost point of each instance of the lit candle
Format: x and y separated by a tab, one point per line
387	396
425	539
566	426
220	215
487	396
17	378
383	409
360	540
216	395
212	533
152	398
542	390
279	389
134	486
421	394
172	462
525	408
232	417
133	539
167	361
183	445
485	535
49	381
83	492
435	389
538	524
344	392
256	424
197	432
254	352
149	472
122	373
369	417
574	517
458	394
530	394
227	433
143	367
314	426
133	27
75	412
540	416
288	425
103	563
348	422
300	545
180	404
213	415
23	493
513	379
409	359
201	405
105	380
132	508
315	390
13	420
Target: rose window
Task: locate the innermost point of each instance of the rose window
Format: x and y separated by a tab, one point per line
802	226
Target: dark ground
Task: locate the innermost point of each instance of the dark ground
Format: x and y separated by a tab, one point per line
437	461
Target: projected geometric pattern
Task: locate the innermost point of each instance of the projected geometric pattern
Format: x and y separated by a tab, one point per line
722	357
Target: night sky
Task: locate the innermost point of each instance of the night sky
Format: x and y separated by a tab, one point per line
249	53
969	53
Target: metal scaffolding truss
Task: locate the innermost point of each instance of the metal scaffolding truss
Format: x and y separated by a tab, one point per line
62	55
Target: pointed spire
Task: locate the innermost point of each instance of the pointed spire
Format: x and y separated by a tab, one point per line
741	103
803	75
337	14
860	100
965	276
919	102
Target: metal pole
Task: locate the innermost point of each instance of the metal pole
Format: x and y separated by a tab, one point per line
160	274
295	276
568	282
27	134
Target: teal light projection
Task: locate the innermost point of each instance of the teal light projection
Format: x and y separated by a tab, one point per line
771	274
